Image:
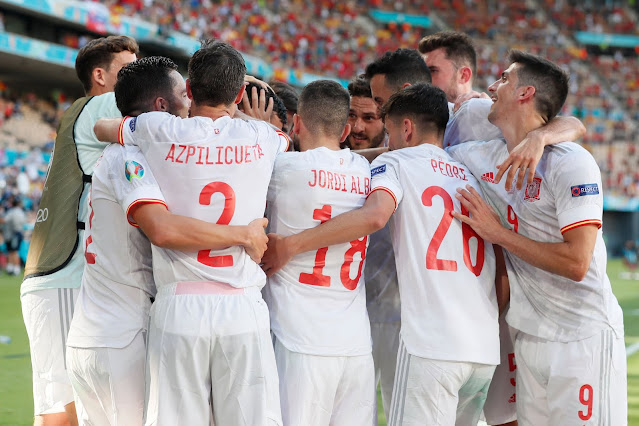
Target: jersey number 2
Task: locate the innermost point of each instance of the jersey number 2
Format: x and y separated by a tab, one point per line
317	277
432	261
204	256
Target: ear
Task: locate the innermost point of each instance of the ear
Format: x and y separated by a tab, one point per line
408	129
526	92
465	74
296	124
240	94
161	104
189	94
345	133
405	85
98	76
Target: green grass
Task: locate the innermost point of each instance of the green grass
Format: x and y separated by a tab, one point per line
16	403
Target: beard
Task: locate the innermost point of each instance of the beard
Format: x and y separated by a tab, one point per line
371	143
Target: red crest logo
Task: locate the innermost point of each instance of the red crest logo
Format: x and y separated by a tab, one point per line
533	189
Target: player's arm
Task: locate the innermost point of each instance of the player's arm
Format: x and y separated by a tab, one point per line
502	285
525	157
371	217
371	153
570	258
108	129
167	230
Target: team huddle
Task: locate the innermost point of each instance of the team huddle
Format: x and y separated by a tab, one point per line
221	255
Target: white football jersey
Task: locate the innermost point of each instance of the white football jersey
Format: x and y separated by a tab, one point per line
470	123
318	301
446	272
117	284
566	193
216	171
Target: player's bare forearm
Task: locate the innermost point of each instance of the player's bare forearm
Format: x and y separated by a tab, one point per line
107	129
502	285
570	258
176	232
340	229
524	158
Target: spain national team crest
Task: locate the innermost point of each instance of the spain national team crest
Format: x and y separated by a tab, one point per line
532	190
133	170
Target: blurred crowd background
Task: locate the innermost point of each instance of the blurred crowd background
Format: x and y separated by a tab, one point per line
338	38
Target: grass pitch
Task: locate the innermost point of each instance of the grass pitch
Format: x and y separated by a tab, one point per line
16	403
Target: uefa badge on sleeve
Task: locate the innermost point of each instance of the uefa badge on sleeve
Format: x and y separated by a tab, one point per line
532	190
133	170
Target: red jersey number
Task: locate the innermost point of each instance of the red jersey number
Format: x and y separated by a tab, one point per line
204	256
317	277
432	261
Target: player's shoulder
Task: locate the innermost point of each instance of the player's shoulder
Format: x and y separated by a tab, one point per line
568	152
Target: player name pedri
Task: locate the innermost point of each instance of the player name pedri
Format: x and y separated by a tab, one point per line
210	155
340	182
447	169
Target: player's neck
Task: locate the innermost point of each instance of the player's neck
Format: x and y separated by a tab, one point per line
213	112
318	142
517	129
430	139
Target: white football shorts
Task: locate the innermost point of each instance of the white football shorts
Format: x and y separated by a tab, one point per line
574	383
325	390
433	392
47	316
210	355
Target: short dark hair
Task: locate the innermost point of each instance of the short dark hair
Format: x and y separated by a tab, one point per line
360	87
141	82
286	93
216	73
400	66
548	79
425	104
458	46
99	53
278	105
323	106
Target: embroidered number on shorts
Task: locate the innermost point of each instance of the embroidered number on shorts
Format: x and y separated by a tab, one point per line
432	261
204	256
586	397
317	277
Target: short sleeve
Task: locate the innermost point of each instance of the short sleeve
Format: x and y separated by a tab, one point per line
576	183
133	182
385	177
147	128
470	123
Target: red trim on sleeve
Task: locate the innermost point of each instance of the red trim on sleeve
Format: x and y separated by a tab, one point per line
581	223
286	138
120	129
383	188
142	201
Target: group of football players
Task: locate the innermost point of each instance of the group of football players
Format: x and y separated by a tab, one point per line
463	270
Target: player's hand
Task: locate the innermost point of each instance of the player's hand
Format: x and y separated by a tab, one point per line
262	84
256	239
277	255
523	158
467	96
481	217
258	107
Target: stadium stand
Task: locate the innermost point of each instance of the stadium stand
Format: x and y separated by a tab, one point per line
302	39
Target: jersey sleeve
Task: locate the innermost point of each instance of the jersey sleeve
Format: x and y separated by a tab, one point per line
470	123
576	182
149	127
385	177
133	182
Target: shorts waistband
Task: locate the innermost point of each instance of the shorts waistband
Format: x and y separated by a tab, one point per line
204	287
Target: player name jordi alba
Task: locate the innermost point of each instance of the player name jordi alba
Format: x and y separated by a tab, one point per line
340	182
205	155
